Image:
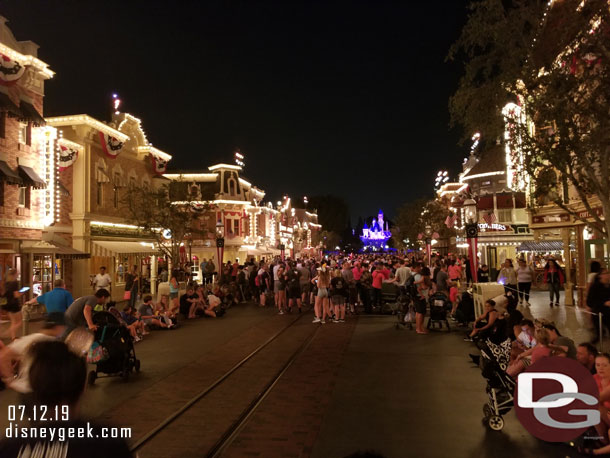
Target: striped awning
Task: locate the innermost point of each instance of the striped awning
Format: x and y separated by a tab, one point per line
544	246
111	248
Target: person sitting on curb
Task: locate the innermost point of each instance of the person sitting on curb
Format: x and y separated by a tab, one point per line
147	314
133	323
485	323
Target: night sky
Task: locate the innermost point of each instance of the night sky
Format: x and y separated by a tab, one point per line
344	98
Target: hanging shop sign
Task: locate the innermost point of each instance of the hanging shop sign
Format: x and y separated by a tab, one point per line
67	157
10	70
159	165
110	145
558	218
494	227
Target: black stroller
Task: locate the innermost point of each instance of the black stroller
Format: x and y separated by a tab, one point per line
117	343
500	386
439	309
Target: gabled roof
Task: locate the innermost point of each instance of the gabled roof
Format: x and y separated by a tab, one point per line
491	162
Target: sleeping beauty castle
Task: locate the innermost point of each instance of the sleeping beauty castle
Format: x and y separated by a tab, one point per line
376	237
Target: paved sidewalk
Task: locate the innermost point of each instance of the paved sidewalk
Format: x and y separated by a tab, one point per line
408	395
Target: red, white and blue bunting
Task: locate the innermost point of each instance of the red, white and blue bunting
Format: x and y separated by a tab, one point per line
159	165
10	70
111	146
67	157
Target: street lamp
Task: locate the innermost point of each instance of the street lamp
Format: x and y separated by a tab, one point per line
282	251
220	242
428	233
472	233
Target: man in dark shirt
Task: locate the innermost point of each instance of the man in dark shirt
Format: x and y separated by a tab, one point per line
585	355
188	302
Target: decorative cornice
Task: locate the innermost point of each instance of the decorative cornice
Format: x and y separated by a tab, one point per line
21	224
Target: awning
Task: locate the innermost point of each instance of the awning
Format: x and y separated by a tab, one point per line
485	203
44	247
29	113
8	175
504	200
545	246
31	178
112	248
7	106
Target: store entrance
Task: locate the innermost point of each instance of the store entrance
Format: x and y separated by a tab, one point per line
596	250
492	261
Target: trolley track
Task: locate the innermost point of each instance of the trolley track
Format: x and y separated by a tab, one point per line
209	407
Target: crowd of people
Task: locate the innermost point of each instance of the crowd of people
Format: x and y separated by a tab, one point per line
332	287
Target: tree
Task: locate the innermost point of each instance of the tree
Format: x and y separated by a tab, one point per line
168	217
552	59
412	218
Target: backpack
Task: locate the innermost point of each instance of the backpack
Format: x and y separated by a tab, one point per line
258	280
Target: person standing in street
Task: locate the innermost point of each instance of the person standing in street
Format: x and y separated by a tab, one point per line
554	278
132	284
56	301
102	280
13	303
508	277
525	277
80	313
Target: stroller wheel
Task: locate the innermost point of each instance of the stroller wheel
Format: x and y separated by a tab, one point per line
91	377
137	365
495	422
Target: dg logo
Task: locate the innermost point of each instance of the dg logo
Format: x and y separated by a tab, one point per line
557	399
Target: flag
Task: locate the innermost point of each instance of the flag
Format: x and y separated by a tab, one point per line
110	145
450	220
489	218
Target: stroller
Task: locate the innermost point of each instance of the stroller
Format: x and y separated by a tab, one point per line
500	386
389	299
117	343
406	311
439	309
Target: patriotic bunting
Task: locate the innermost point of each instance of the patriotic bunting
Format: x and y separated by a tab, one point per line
159	165
111	146
489	218
10	70
67	157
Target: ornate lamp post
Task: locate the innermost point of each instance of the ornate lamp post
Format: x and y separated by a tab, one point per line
472	233
220	243
428	233
282	251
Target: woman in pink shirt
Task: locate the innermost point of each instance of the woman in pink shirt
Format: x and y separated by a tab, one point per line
378	277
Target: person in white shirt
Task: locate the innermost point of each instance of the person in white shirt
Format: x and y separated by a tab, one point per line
403	273
102	280
525	277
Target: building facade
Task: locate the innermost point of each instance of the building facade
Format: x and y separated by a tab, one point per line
102	161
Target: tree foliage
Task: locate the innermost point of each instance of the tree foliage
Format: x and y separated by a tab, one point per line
412	218
554	62
156	214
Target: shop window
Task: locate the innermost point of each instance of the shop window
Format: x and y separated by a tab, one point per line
99	194
23	132
24	196
42	274
236	226
28	134
3	125
505	215
120	271
1	193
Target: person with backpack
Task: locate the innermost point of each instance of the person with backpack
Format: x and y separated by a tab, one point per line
293	287
263	280
366	284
